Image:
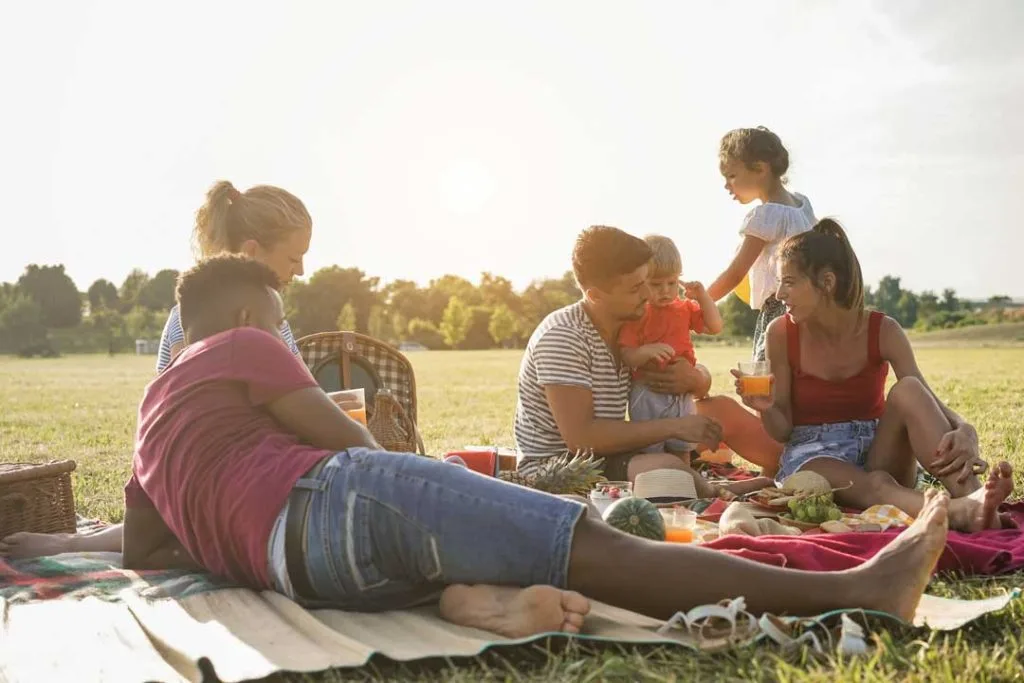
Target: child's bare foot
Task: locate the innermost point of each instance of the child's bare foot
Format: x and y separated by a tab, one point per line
978	510
515	612
24	544
894	579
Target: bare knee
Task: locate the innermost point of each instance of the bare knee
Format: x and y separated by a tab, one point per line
880	479
907	393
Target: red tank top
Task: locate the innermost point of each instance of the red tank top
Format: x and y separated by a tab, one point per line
818	401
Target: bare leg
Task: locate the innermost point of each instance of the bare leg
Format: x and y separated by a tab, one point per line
913	424
24	544
515	612
603	564
743	432
969	513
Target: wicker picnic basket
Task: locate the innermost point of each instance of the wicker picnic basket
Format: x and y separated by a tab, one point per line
37	497
349	360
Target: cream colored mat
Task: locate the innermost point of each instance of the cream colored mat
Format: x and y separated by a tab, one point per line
244	634
247	635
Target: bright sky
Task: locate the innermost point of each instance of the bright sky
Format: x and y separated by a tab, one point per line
457	137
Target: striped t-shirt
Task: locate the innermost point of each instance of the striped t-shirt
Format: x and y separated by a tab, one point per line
565	349
173	334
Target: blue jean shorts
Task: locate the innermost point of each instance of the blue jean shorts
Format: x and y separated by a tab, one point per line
390	530
846	441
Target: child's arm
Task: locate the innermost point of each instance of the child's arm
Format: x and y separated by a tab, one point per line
741	264
710	318
638	356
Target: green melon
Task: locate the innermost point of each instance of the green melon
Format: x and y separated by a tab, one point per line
637	516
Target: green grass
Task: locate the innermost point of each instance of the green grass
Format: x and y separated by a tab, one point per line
83	407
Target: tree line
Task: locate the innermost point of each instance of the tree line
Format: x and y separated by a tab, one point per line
44	312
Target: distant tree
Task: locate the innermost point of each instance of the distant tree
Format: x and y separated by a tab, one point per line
102	295
999	301
130	288
496	291
347	318
927	305
54	292
738	319
887	296
906	309
949	301
455	322
478	336
502	326
379	325
314	306
21	324
426	333
157	293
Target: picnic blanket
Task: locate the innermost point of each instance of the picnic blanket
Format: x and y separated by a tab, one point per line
986	553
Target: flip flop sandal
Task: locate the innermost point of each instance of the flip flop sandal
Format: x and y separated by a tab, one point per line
724	624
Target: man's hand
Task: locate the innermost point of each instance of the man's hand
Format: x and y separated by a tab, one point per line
699	429
679	377
958	451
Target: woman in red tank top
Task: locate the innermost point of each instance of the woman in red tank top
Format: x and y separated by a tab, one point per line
830	359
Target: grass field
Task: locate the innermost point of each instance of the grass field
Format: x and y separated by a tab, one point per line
84	408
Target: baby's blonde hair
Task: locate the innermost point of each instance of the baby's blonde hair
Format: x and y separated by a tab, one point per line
263	213
666	260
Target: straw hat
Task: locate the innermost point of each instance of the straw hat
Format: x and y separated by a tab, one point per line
667	484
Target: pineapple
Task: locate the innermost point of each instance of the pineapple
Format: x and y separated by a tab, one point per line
570	473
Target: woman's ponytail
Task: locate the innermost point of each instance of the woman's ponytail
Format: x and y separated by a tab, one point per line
826	248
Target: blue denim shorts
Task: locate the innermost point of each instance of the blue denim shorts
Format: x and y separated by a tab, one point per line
389	531
846	441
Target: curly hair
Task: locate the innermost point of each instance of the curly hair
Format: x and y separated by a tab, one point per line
210	288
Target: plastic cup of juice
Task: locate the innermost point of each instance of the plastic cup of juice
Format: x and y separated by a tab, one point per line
755	378
353	402
680	526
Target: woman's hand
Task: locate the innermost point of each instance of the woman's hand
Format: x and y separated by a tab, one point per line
958	451
759	403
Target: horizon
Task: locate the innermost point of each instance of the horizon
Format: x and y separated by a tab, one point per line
484	138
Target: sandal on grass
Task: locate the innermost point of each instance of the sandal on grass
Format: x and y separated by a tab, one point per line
847	638
717	626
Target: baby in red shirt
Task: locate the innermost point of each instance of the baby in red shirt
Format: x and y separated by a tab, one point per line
663	334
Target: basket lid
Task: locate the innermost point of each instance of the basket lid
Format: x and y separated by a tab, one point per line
21	471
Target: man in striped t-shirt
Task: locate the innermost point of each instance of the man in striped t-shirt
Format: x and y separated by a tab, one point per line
573	389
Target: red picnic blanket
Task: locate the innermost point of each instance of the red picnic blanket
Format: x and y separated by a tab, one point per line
987	553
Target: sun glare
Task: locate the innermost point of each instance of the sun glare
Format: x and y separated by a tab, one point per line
465	186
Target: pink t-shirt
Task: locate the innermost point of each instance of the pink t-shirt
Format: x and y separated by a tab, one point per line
209	456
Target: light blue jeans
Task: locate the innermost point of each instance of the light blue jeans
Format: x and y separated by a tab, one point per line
390	530
647	404
846	441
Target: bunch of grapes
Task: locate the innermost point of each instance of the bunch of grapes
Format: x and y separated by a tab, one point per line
815	509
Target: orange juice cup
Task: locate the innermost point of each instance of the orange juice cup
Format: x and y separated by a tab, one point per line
680	526
755	378
353	402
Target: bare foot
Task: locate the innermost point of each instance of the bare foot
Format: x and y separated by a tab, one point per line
515	612
896	577
978	510
24	544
